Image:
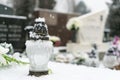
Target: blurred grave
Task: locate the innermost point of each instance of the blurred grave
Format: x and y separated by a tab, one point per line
91	32
12	28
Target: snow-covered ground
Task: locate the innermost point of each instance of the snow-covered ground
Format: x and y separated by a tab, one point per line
60	71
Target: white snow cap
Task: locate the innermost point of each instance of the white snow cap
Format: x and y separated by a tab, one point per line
40	19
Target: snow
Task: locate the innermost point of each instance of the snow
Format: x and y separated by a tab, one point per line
12	16
40	19
60	71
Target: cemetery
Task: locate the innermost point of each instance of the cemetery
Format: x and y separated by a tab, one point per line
50	45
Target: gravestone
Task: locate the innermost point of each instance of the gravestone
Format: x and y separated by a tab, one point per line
12	30
91	31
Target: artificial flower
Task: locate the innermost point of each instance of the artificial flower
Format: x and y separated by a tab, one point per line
73	24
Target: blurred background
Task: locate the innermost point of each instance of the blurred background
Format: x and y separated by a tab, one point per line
15	15
74	26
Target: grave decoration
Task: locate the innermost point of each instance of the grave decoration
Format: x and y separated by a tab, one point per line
73	25
6	55
39	48
112	56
